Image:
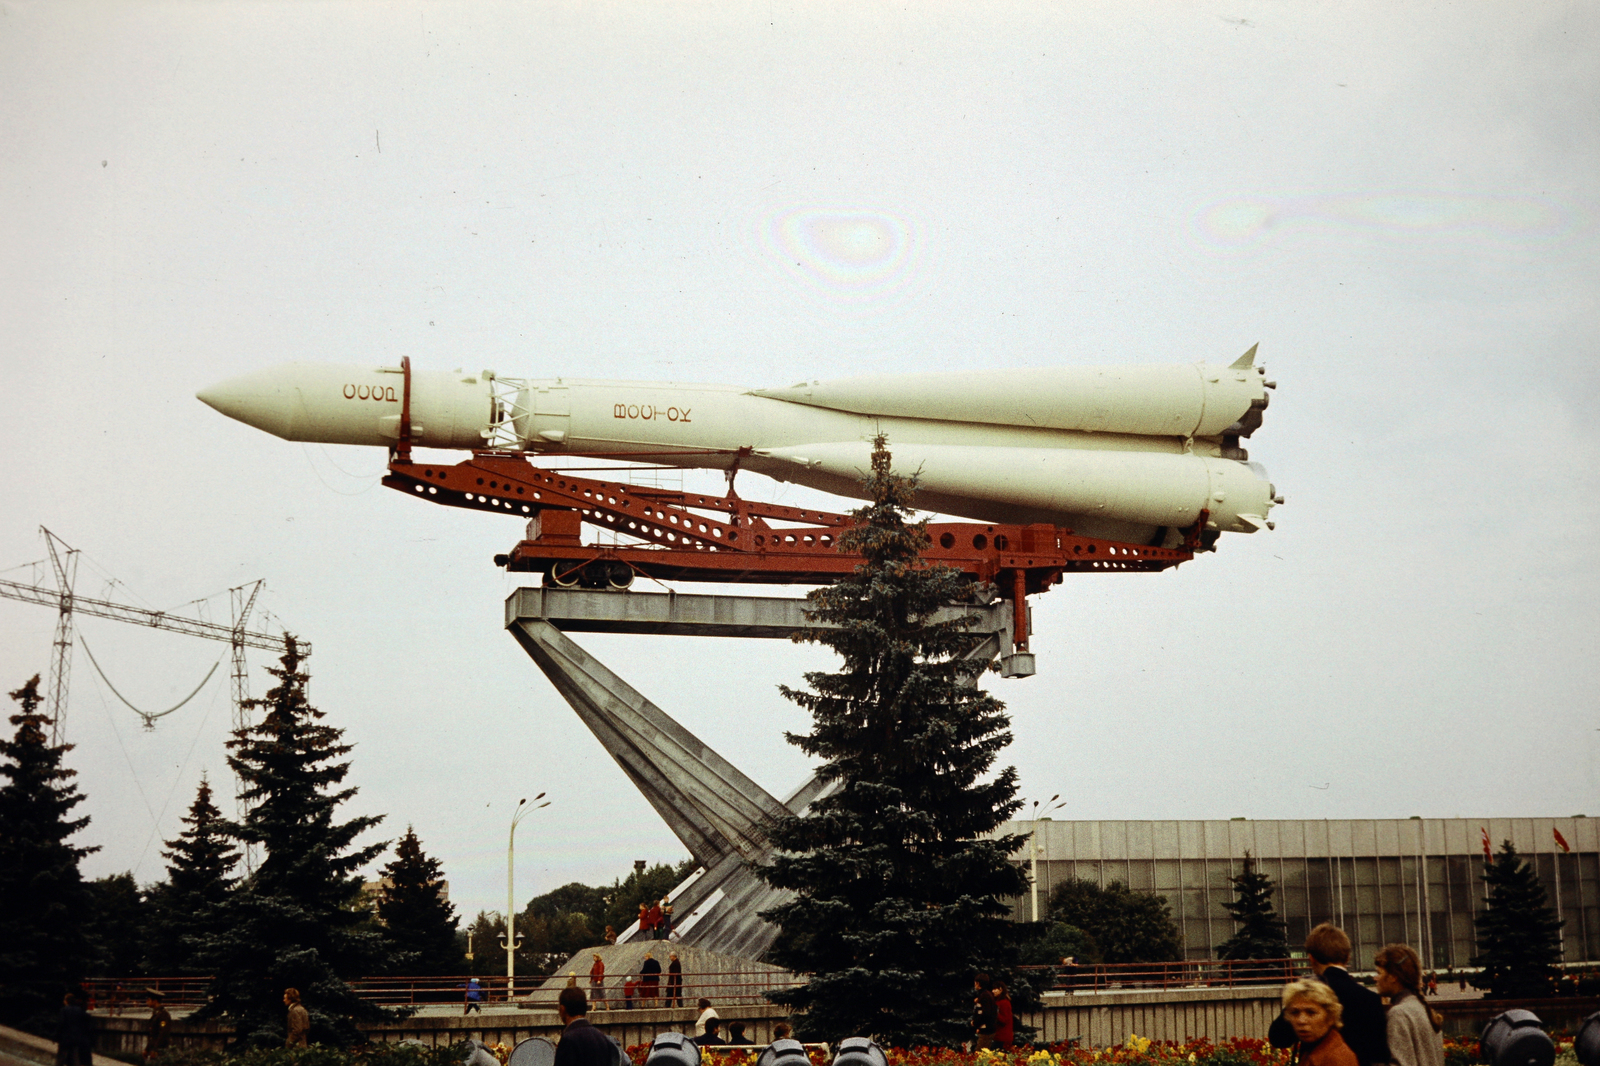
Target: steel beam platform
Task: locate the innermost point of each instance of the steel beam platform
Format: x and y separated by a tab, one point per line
718	813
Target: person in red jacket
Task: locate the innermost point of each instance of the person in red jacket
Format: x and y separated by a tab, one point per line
653	917
1005	1033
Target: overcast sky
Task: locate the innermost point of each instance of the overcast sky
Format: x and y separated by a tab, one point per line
1398	201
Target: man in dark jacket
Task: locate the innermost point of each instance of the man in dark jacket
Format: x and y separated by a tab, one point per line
674	982
581	1044
650	979
1364	1024
74	1034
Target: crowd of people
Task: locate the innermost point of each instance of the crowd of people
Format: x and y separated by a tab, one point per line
643	988
581	1044
1335	1020
1330	1019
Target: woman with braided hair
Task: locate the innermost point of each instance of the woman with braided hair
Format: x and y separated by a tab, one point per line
1413	1026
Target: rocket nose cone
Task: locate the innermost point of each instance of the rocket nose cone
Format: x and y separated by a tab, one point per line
260	400
218	397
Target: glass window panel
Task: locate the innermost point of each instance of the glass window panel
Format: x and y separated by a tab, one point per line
1440	927
1544	866
1320	907
1461	882
1290	901
1389	871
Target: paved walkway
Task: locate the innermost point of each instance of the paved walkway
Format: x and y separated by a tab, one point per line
24	1049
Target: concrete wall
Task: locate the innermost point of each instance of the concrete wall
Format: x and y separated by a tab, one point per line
1107	1018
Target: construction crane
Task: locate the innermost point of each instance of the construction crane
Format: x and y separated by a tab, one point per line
64	563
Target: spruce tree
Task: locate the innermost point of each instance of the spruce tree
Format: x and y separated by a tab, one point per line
1261	933
1519	935
296	922
44	904
118	916
419	922
200	864
898	884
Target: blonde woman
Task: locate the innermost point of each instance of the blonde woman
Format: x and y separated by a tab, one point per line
1413	1026
1314	1012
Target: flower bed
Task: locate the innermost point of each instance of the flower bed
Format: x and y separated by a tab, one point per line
1135	1051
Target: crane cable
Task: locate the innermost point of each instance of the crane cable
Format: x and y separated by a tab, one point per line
149	718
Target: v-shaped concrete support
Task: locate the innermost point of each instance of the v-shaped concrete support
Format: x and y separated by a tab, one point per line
713	808
720	814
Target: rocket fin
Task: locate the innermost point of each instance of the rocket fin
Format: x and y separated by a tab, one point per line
1247	360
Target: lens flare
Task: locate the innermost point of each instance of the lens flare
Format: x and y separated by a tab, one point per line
851	252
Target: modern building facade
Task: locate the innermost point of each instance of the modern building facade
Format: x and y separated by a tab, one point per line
1416	881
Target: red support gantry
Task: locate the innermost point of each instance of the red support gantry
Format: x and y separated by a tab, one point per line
679	541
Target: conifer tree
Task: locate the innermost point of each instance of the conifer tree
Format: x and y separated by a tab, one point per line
118	916
296	922
897	884
417	919
1519	935
43	900
200	865
1261	933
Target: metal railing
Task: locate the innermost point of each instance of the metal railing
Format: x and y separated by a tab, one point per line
728	988
130	994
617	992
1203	973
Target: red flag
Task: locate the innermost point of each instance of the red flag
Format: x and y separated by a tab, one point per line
1561	841
1488	853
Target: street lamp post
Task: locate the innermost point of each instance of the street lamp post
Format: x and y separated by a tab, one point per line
510	938
1033	849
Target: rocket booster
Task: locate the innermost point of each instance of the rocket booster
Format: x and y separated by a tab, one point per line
1132	453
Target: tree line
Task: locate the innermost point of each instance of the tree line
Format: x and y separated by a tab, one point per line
299	918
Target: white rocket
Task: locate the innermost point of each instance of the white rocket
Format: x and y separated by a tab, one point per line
1129	453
